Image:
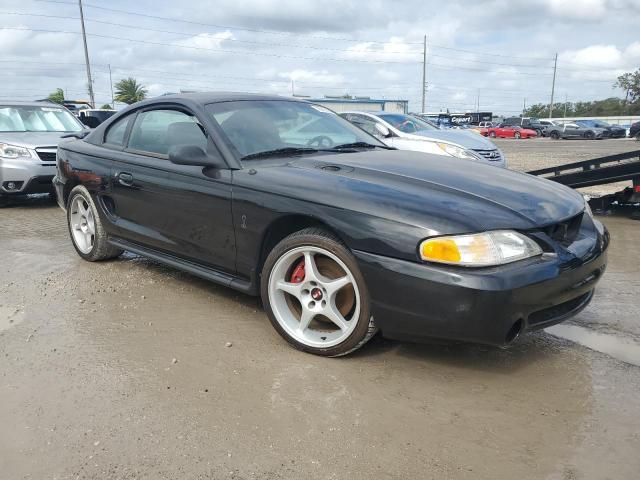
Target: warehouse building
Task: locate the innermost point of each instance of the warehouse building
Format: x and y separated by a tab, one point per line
364	104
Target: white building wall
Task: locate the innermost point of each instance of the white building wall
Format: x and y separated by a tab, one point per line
351	106
614	120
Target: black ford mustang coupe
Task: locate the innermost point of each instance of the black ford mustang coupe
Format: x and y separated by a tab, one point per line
341	235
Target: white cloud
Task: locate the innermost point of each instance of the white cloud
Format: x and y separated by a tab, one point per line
395	50
578	9
208	40
312	76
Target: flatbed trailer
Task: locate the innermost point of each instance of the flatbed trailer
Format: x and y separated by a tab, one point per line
601	171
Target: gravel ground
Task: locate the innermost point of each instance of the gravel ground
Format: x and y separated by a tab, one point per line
536	153
127	370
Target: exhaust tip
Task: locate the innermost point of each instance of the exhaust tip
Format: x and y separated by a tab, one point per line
514	331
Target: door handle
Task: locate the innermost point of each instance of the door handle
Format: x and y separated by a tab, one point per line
125	179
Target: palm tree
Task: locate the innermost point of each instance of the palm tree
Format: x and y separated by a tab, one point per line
57	96
129	91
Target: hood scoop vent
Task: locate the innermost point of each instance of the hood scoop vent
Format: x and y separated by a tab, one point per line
334	168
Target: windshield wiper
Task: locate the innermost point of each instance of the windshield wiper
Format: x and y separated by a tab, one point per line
280	151
357	145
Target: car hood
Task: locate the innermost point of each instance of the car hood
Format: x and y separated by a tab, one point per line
32	139
464	139
443	194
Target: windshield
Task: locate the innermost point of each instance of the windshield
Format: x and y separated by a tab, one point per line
406	123
587	123
37	119
256	126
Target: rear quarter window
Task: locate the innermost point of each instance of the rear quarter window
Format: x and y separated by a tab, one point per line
115	133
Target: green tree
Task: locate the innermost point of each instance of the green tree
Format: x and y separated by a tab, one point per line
57	96
596	108
630	83
129	91
106	106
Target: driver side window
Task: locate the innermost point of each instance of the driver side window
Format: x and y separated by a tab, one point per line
157	131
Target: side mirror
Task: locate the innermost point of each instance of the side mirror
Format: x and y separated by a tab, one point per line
193	155
382	130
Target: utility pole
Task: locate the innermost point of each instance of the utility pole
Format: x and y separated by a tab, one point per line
566	100
524	106
113	103
478	102
86	57
293	88
424	73
553	85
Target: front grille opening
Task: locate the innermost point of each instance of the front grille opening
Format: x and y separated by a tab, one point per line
491	155
557	311
565	232
47	156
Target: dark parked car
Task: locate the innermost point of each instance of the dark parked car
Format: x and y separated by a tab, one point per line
340	234
634	131
92	117
613	131
573	130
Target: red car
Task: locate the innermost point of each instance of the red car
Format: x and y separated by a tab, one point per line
508	131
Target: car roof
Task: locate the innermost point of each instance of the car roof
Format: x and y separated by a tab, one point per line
16	103
213	97
377	114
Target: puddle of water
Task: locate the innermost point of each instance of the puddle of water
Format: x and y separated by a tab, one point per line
623	349
9	317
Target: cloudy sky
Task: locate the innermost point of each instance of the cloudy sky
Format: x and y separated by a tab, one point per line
498	50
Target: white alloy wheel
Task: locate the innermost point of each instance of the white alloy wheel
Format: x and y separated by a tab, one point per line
82	224
314	297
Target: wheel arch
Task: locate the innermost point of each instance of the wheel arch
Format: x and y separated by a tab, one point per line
69	185
284	226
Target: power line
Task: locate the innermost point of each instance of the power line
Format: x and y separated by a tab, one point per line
226	27
182	34
221	50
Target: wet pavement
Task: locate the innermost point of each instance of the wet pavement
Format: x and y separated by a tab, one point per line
121	370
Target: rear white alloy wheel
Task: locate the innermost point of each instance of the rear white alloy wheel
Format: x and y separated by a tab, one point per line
314	297
82	223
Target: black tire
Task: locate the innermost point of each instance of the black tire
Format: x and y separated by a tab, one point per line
101	249
554	135
538	132
317	237
492	134
589	135
517	135
637	137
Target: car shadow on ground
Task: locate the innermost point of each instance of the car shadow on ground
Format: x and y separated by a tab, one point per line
526	350
205	286
529	349
29	201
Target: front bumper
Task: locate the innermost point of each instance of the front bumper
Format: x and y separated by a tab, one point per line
412	301
58	186
29	175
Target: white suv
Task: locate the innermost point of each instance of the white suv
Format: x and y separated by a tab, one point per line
29	137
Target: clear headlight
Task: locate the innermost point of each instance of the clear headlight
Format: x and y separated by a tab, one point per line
458	152
12	151
479	249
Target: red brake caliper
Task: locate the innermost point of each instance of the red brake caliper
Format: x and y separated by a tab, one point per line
297	276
